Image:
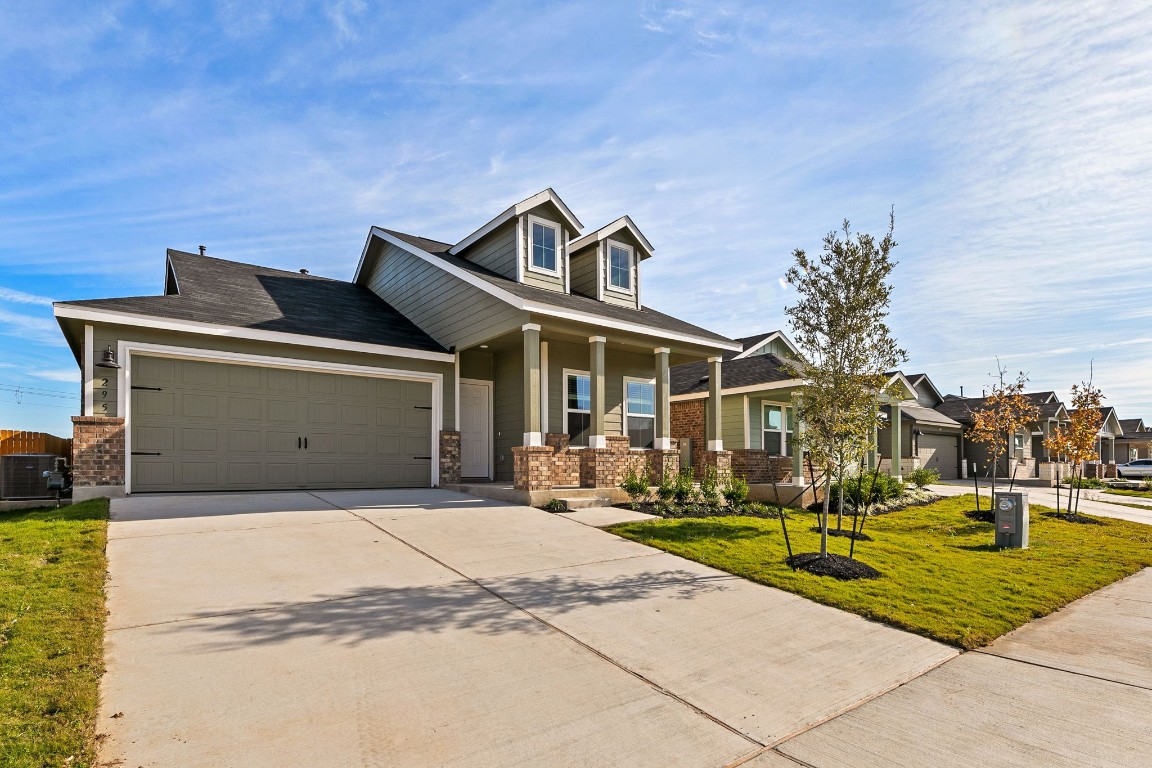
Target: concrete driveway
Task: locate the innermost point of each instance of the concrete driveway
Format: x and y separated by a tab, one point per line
426	628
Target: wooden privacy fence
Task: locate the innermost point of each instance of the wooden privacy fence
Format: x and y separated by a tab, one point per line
18	441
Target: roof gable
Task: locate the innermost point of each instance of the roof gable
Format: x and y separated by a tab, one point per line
752	343
624	224
524	206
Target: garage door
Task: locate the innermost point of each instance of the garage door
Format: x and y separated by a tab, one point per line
940	452
200	426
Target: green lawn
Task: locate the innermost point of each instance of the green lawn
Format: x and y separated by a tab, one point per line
942	576
1128	492
52	568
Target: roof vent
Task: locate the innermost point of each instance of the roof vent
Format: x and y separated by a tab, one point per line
303	271
202	249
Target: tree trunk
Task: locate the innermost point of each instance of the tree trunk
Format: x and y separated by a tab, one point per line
824	523
1076	512
840	498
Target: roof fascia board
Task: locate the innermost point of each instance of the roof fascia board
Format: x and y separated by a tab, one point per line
547	196
545	309
767	338
238	332
908	388
624	222
751	388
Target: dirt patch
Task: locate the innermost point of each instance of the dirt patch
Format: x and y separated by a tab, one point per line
836	566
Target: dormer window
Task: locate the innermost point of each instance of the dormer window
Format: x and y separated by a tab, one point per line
619	267
543	246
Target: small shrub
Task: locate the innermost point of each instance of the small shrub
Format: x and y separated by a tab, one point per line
666	489
684	489
636	486
923	477
1147	483
1086	482
710	487
554	505
736	491
867	489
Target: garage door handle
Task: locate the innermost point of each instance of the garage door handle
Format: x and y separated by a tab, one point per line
299	443
147	453
422	407
429	458
305	443
148	389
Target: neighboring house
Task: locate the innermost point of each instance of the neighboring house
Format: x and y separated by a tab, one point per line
1133	442
1106	439
521	353
757	418
1025	456
925	438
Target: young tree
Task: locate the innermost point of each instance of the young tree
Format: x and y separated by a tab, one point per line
839	323
1078	441
1005	412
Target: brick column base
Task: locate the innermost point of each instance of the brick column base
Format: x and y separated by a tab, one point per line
661	463
532	467
606	467
449	456
99	462
722	461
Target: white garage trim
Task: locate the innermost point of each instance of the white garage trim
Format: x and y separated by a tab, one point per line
125	350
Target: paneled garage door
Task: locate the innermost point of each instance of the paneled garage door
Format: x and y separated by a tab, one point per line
201	426
940	452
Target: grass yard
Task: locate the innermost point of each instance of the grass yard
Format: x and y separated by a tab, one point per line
52	569
942	576
1129	492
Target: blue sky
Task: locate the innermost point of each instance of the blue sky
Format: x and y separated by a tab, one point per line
1014	140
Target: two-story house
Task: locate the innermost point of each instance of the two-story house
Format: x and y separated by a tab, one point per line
521	354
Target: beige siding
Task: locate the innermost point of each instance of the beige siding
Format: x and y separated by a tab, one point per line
924	396
774	347
584	272
104	335
508	407
496	251
611	296
539	279
732	421
448	309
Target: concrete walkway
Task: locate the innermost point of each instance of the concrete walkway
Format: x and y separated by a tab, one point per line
1092	502
1072	689
426	628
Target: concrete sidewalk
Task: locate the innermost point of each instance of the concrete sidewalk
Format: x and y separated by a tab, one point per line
419	628
1092	502
1072	689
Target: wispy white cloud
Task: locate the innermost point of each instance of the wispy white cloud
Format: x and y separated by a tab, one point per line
20	297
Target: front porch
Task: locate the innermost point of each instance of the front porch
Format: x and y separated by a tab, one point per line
550	406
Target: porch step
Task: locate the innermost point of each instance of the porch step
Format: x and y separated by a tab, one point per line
586	502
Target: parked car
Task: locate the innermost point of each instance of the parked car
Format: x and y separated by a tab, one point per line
1138	468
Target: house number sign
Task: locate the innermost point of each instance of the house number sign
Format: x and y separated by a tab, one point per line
101	394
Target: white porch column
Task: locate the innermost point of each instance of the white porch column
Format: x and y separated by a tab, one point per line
532	433
596	437
663	441
713	413
897	429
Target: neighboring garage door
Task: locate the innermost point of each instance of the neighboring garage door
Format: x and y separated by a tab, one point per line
201	426
940	452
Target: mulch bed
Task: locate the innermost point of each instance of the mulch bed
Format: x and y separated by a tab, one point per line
1070	518
836	566
983	516
699	510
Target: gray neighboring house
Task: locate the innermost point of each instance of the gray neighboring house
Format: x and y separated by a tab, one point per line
925	438
1134	441
521	353
1027	457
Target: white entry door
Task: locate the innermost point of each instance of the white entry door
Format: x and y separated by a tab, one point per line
475	428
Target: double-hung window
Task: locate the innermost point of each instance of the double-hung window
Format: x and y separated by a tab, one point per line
640	412
777	430
577	406
544	244
619	267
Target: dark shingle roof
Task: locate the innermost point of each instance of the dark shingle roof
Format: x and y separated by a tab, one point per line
961	408
746	372
1133	427
644	316
922	415
248	296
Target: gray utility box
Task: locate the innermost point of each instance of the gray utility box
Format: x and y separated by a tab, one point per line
1011	510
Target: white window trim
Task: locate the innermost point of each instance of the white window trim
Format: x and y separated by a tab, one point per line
558	249
624	406
564	393
125	350
785	434
631	289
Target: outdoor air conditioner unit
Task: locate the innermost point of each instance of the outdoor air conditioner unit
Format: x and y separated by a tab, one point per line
22	476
